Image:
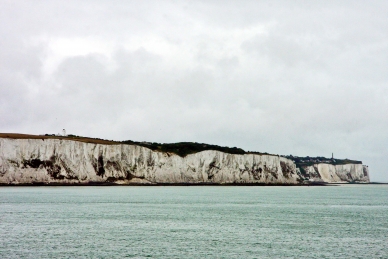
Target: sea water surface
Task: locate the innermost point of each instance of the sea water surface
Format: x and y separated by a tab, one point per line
348	221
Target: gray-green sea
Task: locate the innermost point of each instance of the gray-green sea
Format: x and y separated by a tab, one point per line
348	221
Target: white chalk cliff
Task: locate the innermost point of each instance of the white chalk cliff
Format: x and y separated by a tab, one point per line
24	161
337	173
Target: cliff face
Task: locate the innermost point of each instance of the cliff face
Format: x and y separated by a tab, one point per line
54	160
66	161
337	173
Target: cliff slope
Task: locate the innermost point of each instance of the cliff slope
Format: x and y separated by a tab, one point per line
336	173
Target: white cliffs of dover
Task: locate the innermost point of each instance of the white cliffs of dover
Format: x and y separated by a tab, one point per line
59	161
337	173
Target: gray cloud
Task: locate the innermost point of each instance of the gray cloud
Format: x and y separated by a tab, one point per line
303	78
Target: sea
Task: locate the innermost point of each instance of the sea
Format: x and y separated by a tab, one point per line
344	221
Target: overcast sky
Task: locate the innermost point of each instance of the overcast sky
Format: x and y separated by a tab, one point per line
284	77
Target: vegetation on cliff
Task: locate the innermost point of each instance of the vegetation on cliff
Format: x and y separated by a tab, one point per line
308	161
184	148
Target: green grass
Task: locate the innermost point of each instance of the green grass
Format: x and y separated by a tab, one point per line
182	148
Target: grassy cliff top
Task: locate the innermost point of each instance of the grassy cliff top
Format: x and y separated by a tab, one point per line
182	148
308	161
53	136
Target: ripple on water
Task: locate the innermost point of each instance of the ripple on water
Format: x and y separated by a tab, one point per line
194	222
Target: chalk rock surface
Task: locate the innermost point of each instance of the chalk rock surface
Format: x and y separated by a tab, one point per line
337	173
24	161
